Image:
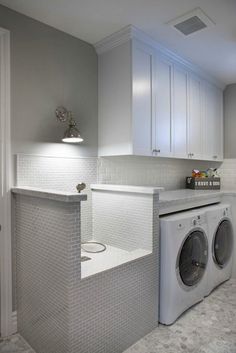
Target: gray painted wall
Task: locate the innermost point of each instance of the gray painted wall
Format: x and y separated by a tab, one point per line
230	121
49	68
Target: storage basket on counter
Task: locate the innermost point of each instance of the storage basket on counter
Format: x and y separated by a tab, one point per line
203	183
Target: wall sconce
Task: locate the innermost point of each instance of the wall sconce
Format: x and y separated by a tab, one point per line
72	134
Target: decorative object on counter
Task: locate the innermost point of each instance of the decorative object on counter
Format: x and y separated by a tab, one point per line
80	187
212	172
196	173
204	180
72	134
203	183
199	174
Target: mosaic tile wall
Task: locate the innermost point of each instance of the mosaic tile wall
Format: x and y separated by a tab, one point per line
60	313
122	303
47	242
124	220
60	174
131	170
228	174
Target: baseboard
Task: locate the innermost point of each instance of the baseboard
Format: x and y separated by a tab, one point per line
14	321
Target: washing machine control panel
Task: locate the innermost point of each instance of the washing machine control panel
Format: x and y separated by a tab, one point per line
197	220
225	212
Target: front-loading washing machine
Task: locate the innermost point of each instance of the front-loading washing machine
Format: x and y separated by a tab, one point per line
221	241
184	257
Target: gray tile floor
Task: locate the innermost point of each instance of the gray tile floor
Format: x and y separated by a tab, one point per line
209	327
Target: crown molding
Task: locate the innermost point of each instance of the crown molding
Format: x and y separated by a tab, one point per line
114	40
131	32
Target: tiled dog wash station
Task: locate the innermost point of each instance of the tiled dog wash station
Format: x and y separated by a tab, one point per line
112	245
111	295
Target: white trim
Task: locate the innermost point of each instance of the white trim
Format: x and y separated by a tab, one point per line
52	156
5	234
130	32
14	321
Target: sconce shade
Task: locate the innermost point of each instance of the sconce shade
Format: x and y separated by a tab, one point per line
72	135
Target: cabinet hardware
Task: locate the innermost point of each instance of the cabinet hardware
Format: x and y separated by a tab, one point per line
156	151
215	157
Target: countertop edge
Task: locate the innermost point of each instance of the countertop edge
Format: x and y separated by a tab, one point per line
183	199
49	194
127	188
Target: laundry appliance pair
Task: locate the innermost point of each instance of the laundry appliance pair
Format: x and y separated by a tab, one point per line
196	251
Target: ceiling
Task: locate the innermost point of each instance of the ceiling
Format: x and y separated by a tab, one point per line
212	49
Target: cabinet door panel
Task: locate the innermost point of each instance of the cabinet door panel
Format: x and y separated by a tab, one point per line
195	129
213	123
143	58
163	107
180	112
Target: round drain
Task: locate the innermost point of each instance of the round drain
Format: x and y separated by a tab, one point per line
93	247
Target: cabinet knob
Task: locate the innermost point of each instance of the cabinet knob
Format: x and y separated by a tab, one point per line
156	151
215	157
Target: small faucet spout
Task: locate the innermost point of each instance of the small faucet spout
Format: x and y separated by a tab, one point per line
80	187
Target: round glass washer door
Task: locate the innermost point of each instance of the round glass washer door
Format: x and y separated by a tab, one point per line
223	243
193	257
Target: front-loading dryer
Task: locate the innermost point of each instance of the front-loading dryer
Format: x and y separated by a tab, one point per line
184	257
221	240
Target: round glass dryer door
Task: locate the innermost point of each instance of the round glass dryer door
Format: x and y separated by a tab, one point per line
223	243
193	258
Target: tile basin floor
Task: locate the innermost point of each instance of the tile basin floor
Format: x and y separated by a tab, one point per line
209	327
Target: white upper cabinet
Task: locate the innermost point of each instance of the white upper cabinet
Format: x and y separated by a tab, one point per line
163	108
125	100
213	127
142	104
195	117
151	103
180	112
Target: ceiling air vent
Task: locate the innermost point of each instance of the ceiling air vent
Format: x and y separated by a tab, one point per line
192	22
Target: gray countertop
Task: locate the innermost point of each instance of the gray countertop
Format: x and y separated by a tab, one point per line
177	200
49	194
187	194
